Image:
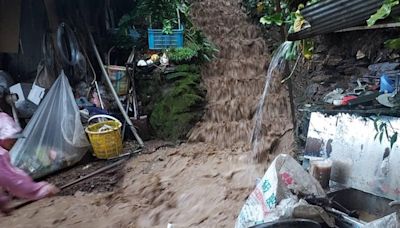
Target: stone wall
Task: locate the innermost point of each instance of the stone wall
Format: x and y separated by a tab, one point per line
339	60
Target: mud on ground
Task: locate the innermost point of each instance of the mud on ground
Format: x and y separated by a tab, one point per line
193	185
204	183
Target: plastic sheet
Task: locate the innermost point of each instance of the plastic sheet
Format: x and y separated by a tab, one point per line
55	137
275	195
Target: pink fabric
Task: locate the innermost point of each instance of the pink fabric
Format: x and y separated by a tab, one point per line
8	127
17	183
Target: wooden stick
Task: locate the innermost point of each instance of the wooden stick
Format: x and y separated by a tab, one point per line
93	174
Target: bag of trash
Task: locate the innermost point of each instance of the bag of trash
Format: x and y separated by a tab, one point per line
55	137
275	195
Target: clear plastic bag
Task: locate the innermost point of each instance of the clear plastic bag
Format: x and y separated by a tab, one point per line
55	138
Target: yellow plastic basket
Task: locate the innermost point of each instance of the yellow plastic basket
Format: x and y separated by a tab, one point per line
105	137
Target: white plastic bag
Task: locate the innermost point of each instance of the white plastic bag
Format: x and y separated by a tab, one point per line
55	137
283	178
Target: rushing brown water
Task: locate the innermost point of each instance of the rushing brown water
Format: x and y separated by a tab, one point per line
235	83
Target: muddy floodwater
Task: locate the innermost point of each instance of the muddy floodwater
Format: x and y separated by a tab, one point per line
203	183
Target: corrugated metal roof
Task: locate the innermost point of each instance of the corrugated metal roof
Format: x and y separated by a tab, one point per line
332	15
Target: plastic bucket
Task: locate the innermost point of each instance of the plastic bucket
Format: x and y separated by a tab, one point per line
105	137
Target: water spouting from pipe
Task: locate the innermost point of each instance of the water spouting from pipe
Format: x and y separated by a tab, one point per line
276	67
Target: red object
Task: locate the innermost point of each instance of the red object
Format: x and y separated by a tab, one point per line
347	99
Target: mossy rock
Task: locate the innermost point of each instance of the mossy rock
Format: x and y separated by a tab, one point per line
148	93
188	68
180	106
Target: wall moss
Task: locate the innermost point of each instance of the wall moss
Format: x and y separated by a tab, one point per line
181	103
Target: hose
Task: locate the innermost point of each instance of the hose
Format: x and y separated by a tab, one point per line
65	33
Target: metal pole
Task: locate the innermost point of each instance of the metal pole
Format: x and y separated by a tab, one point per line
99	94
109	83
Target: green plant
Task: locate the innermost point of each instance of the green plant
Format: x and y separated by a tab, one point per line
393	44
167	27
382	12
184	54
285	14
121	38
180	106
275	12
156	11
195	39
385	128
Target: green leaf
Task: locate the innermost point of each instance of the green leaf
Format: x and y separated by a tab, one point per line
393	139
274	19
393	44
167	27
381	126
382	12
376	124
376	135
381	137
386	132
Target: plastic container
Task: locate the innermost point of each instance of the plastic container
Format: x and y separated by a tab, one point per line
387	86
321	170
106	143
158	40
119	79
